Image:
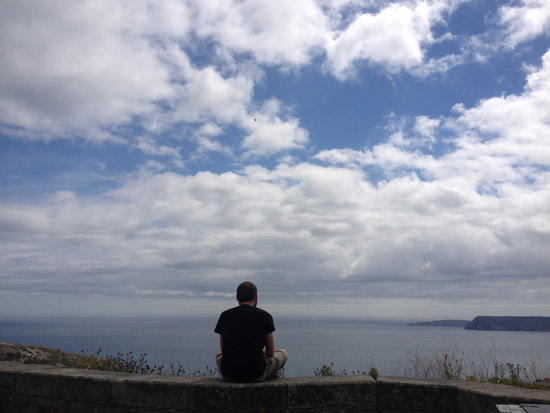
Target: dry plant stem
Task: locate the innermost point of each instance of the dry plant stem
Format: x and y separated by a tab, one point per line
485	365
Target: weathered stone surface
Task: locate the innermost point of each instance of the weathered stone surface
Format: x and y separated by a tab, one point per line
32	380
396	394
332	394
83	389
15	367
6	401
152	391
23	404
48	406
484	396
528	396
37	389
96	374
36	384
78	407
7	380
536	408
481	397
478	402
217	395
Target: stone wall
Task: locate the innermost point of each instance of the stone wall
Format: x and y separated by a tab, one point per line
33	388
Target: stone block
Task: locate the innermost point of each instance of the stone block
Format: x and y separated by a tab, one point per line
78	407
37	389
332	394
216	395
398	394
7	380
48	406
478	402
152	392
6	401
481	397
528	396
84	389
23	404
35	384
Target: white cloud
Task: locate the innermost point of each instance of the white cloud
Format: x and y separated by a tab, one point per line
79	65
270	134
208	96
274	33
525	21
348	157
290	35
88	69
205	138
301	225
151	147
445	207
426	127
515	24
93	68
514	126
502	139
394	37
478	221
98	65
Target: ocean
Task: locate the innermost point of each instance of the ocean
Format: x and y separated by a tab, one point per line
350	345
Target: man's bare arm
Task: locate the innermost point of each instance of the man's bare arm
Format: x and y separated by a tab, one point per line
221	342
269	345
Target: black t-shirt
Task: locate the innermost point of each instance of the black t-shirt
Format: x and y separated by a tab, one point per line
243	331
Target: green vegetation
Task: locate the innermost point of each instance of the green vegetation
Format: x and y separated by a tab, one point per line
373	372
47	356
483	365
329	371
325	371
127	363
13	356
486	365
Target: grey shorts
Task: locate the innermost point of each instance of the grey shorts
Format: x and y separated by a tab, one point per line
273	365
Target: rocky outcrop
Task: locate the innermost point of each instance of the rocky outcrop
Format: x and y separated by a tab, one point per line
509	323
32	354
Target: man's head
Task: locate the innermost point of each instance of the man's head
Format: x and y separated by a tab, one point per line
246	292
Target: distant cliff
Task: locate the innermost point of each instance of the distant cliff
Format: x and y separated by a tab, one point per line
509	323
442	323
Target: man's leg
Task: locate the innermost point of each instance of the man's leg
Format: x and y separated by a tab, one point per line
275	363
219	364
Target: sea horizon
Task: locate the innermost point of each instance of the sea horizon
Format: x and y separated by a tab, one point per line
348	345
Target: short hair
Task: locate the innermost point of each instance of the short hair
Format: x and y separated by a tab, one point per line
246	292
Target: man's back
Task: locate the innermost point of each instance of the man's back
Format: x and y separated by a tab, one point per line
243	331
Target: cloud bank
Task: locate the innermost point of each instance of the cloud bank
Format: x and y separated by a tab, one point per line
450	209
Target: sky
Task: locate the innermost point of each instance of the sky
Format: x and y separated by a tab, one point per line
353	158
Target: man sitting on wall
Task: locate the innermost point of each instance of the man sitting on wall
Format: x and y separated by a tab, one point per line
244	332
